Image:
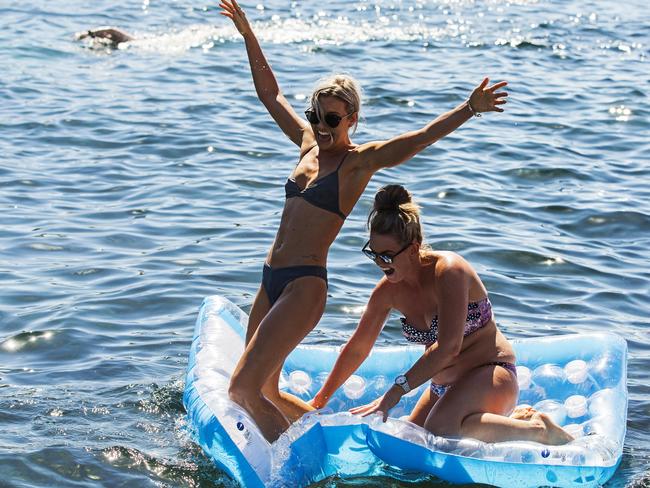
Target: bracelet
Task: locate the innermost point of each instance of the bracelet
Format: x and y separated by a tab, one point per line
471	109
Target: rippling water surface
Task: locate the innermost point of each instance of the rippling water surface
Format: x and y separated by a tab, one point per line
135	182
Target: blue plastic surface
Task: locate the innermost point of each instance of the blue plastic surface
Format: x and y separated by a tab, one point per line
580	380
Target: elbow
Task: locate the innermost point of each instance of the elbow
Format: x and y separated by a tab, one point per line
429	141
265	98
421	142
426	138
356	352
268	97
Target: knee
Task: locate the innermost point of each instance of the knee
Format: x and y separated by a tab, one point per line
417	420
435	427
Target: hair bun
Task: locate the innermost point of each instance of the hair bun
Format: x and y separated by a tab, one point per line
390	197
395	213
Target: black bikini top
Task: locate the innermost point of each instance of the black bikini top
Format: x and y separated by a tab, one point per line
322	193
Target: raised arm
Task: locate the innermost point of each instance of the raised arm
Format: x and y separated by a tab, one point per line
357	348
266	85
383	154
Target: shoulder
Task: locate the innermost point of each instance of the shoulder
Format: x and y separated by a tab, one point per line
356	172
451	269
368	150
383	296
360	158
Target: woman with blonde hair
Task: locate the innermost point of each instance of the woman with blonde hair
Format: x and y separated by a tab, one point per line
331	174
446	308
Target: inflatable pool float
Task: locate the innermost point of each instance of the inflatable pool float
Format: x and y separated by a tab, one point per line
580	380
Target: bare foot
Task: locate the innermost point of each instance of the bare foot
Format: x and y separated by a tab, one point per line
553	434
523	413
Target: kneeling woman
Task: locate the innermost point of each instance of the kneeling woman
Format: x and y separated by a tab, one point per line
446	308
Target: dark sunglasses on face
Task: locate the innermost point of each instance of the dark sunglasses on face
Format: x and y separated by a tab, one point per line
385	258
332	119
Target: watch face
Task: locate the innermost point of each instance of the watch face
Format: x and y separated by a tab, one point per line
400	380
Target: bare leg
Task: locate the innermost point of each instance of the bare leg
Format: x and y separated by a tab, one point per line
497	428
423	407
303	300
261	307
291	406
478	406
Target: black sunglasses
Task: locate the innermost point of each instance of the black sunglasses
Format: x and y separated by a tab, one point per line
387	259
332	119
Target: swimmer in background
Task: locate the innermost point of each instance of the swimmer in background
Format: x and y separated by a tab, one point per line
331	174
471	365
110	36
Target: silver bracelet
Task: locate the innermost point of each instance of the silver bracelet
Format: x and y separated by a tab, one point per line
471	109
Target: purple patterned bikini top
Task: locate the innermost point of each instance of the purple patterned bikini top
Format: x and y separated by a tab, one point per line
478	314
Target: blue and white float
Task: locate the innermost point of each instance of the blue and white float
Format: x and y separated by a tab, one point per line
580	380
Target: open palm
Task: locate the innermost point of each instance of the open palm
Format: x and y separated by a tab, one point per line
486	98
232	10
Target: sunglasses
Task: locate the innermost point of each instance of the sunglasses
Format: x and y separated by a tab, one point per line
385	258
332	119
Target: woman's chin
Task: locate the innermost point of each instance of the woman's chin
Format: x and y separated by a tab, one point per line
392	277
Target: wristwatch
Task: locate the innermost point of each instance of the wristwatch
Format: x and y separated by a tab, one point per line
403	383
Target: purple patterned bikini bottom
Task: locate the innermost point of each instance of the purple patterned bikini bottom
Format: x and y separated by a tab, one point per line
440	390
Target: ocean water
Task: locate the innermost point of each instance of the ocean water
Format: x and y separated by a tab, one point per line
136	181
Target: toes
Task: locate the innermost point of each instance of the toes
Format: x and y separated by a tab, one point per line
523	412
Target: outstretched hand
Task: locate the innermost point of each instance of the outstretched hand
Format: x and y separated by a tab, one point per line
486	98
382	404
232	10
